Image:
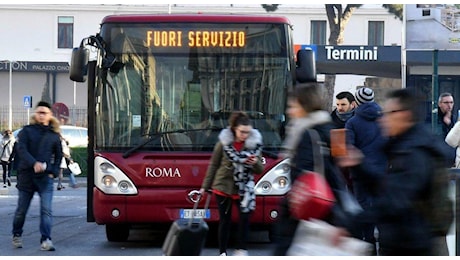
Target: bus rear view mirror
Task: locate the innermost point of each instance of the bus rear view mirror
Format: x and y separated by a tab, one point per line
79	64
306	66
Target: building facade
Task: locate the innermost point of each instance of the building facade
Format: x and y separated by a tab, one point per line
35	55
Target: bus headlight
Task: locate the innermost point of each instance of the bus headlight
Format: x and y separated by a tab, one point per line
111	180
276	181
108	181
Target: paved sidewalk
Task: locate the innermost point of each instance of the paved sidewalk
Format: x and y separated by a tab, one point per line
11	190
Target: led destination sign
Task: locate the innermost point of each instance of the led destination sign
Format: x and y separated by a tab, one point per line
196	39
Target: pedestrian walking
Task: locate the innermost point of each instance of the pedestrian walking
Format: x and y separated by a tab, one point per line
64	166
8	141
413	153
305	111
236	157
364	133
40	151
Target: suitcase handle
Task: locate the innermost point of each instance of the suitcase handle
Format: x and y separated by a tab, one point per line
195	206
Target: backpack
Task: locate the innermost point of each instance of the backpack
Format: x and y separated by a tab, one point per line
438	206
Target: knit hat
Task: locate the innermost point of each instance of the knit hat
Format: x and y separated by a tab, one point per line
364	95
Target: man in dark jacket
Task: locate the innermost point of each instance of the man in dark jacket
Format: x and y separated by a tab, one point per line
363	132
403	229
344	108
40	152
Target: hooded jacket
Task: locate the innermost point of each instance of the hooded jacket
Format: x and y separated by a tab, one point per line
40	143
364	132
219	175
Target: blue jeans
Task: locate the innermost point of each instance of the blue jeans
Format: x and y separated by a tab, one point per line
44	187
72	179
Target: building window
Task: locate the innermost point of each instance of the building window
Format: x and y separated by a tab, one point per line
65	32
375	33
318	32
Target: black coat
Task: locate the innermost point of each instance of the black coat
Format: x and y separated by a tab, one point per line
37	143
406	181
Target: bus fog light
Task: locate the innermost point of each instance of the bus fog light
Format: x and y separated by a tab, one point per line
123	186
273	214
266	186
115	213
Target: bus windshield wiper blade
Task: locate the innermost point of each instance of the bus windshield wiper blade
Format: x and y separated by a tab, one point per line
154	136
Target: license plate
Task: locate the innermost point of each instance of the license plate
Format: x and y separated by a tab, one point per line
199	213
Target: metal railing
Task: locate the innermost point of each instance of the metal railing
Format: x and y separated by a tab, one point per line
78	116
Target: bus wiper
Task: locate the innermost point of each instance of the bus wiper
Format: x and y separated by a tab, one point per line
154	136
270	154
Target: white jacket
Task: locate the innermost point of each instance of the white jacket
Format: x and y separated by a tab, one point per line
453	139
7	147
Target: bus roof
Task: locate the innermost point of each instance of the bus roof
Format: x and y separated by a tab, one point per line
204	18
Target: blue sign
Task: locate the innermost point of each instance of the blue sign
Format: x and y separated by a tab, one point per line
27	101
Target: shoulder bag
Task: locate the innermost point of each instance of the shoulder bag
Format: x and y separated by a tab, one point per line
310	195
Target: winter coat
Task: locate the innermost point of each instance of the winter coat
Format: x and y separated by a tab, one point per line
7	147
453	139
301	155
406	182
364	132
304	160
219	175
340	120
40	143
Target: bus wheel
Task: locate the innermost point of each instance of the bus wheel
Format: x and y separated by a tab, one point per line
117	233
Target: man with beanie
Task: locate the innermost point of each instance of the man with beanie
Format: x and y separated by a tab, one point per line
364	133
40	153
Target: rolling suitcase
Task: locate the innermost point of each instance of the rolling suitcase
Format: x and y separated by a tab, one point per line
186	237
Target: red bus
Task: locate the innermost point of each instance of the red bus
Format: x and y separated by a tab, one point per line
160	89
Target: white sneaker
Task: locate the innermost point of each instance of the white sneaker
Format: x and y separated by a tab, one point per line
240	252
223	254
17	242
47	245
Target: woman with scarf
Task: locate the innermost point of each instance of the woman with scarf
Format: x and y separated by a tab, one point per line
305	111
236	157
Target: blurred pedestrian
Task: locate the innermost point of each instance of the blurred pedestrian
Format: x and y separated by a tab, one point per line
412	152
8	141
364	133
66	160
305	111
236	157
453	140
40	153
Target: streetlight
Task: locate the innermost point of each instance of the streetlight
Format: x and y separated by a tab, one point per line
10	107
10	95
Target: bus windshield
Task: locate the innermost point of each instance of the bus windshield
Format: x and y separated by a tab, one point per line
177	83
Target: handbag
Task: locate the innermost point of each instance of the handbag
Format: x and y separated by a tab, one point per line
316	238
310	195
74	167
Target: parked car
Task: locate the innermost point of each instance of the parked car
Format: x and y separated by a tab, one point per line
76	135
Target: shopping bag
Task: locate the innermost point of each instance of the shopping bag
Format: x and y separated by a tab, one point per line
316	238
74	167
310	196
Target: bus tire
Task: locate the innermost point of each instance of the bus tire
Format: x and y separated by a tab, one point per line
117	232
